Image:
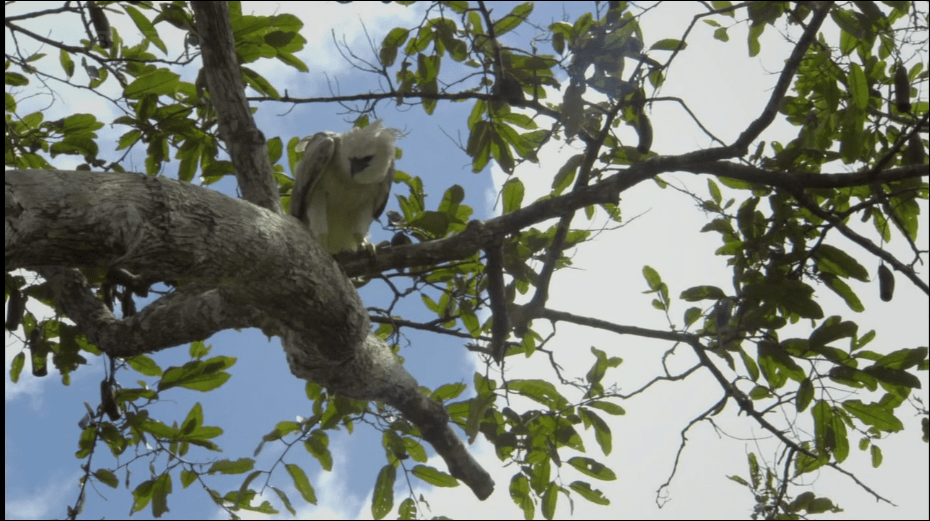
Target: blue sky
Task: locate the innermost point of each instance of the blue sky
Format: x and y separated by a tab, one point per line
42	414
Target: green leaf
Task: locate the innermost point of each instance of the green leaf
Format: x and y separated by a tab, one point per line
702	293
285	500
500	151
318	446
16	367
573	109
479	145
512	195
602	432
714	191
434	476
188	477
805	395
777	365
451	200
158	82
692	315
161	487
831	330
652	278
301	483
893	376
563	179
520	494
874	414
259	82
824	439
225	466
435	224
593	495
199	375
244	496
759	392
448	391
407	509
751	367
842	289
834	260
592	468
801	502
858	86
820	505
539	391
15	79
382	498
107	478
609	408
903	358
145	27
793	295
549	500
64	58
513	20
75	144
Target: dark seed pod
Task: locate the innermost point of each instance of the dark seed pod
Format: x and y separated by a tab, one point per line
400	239
723	315
885	283
915	150
108	400
509	90
902	89
15	309
99	18
644	129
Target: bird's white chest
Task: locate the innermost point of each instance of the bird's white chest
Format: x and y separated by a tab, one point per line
345	197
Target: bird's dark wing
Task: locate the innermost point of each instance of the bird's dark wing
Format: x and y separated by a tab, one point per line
385	192
318	151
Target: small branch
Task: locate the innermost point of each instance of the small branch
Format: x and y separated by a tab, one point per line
672	336
869	246
784	80
500	328
746	406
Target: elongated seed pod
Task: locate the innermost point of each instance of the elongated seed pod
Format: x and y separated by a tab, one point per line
915	150
15	309
885	283
902	89
644	129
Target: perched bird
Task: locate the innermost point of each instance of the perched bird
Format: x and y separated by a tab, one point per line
342	183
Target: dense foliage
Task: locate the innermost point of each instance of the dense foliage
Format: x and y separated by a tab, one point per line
858	104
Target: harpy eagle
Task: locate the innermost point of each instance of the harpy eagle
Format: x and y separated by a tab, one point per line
342	183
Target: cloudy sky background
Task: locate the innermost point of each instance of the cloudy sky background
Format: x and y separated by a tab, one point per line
721	85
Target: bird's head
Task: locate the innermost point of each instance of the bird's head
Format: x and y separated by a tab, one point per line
366	153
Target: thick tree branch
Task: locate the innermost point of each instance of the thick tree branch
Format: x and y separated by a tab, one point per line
244	142
167	230
802	181
479	234
239	266
172	320
500	329
371	371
